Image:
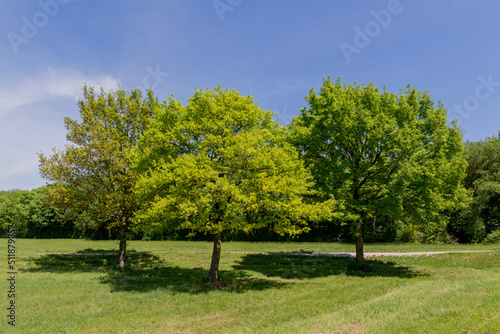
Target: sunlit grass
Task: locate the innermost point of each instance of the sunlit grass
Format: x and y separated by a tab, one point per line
72	245
163	289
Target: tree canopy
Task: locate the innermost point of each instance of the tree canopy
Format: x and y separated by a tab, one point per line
92	177
222	163
381	153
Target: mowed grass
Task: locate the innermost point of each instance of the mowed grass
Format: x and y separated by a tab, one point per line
163	289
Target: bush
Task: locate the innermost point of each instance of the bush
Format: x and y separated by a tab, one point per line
32	216
466	226
492	238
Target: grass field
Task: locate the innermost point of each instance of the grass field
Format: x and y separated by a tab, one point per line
163	290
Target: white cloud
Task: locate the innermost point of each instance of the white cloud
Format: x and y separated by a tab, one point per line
31	120
53	83
23	134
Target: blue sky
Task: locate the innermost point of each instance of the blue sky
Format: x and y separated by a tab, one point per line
274	50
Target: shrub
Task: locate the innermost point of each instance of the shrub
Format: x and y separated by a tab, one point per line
492	238
466	226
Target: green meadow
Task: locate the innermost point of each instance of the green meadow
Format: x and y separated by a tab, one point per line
262	289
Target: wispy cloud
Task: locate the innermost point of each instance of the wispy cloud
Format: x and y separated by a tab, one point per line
31	119
50	84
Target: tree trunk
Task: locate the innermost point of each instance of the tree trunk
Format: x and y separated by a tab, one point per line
213	274
360	258
123	244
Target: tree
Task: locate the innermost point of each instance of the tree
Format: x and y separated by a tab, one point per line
215	163
466	225
381	154
15	210
30	214
92	178
483	178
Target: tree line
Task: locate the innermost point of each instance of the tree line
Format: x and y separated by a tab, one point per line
357	164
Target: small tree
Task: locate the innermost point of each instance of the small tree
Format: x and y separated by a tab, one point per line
92	178
210	165
381	153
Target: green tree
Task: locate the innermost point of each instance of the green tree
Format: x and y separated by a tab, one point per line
92	178
483	177
15	209
381	154
32	215
466	225
211	166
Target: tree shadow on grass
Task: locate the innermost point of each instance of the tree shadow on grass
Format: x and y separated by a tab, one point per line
87	260
289	266
145	271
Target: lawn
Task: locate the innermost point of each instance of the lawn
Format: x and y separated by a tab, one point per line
162	289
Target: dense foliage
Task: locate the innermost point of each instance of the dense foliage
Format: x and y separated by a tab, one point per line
222	167
32	216
482	216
